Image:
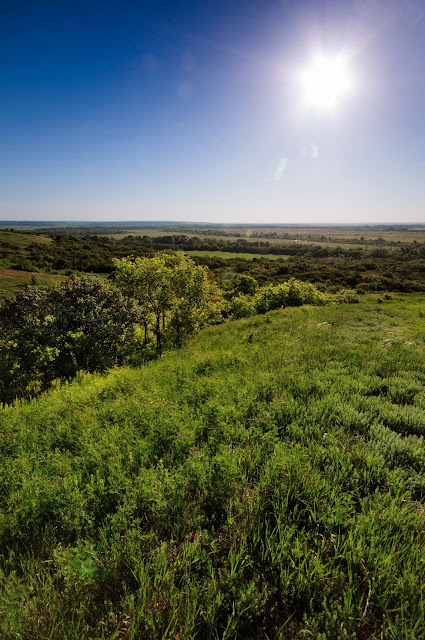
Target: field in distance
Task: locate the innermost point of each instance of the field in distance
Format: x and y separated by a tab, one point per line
276	233
228	255
366	258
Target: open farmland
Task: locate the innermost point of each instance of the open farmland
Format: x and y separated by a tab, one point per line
226	255
357	236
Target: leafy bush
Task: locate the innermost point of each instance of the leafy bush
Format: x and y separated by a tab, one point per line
243	285
289	294
242	306
52	333
347	295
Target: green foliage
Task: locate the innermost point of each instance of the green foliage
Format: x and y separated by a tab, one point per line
243	285
289	294
173	293
83	323
241	306
391	259
267	480
346	295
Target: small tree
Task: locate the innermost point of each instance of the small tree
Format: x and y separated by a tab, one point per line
172	292
243	285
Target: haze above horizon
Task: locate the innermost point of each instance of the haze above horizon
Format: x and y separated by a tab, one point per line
278	112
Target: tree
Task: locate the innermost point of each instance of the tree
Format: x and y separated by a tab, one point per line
173	293
243	285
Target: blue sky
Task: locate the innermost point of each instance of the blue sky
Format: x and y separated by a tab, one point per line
165	110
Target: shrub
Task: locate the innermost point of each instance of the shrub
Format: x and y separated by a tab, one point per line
289	294
52	333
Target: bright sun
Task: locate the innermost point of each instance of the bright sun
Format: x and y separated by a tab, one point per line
326	82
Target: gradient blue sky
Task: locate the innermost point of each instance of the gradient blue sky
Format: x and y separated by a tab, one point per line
168	110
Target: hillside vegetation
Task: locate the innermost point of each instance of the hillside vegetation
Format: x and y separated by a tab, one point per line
90	324
265	481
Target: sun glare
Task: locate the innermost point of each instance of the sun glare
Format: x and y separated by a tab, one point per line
326	82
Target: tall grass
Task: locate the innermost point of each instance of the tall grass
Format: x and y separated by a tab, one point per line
266	481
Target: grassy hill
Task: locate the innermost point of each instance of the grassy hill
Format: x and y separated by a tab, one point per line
11	281
266	481
22	240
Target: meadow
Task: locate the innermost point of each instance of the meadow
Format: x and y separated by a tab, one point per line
22	240
266	481
275	233
226	255
11	280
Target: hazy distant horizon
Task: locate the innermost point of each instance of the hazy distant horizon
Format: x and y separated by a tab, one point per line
188	223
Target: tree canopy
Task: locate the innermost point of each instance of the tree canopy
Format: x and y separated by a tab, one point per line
174	294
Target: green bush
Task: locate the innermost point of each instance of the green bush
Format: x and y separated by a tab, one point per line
289	294
83	323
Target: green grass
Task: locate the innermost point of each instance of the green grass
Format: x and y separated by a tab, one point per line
23	240
11	280
266	481
246	235
369	234
227	255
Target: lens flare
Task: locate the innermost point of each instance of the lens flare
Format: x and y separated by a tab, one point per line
280	169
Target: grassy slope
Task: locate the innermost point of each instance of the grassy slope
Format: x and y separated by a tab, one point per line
11	280
267	481
23	240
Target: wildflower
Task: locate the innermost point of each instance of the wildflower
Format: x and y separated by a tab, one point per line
192	537
232	451
268	416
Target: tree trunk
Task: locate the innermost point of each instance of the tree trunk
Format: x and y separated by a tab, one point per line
158	333
145	324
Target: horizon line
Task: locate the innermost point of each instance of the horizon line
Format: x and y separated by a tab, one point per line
203	223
